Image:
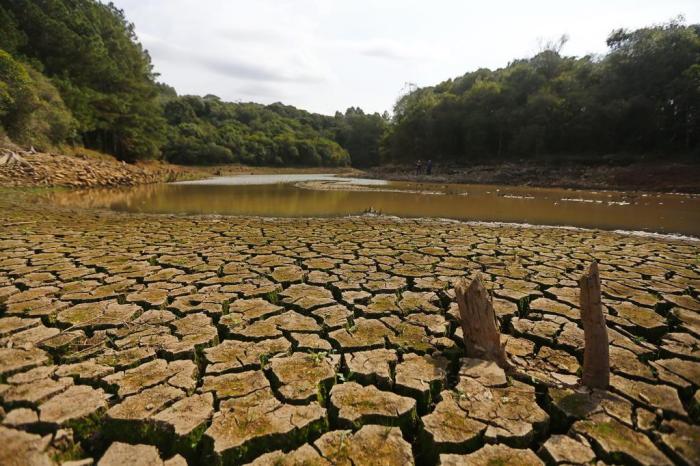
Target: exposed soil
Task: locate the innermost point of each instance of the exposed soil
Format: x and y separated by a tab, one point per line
146	339
651	176
84	171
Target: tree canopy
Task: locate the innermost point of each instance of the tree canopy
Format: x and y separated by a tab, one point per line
73	72
642	97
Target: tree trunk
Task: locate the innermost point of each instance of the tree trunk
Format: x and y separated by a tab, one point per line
482	339
596	358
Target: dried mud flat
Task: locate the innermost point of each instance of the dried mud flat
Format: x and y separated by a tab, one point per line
172	340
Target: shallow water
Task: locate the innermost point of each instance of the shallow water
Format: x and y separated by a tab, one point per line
327	195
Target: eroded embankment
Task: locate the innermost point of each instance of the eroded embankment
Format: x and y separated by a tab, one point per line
25	169
230	340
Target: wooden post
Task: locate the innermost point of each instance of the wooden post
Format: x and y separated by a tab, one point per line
482	339
596	357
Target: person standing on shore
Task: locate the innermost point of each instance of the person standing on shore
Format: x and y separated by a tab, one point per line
429	167
419	166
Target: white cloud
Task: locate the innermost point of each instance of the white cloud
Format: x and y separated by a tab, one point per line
327	55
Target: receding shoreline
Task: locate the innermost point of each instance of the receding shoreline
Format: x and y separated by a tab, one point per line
681	177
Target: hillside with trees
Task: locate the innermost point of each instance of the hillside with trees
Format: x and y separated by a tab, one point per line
643	97
72	72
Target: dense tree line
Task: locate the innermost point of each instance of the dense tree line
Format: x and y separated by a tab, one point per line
205	130
643	97
90	54
72	72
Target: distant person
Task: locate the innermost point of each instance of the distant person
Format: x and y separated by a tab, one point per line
429	167
419	167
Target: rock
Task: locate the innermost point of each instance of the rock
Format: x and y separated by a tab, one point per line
307	297
648	395
683	440
22	449
511	413
619	443
487	373
303	377
304	455
353	405
185	421
78	408
448	429
181	374
122	454
365	334
372	444
21	418
35	392
491	455
421	377
236	356
241	434
235	385
14	360
561	449
372	367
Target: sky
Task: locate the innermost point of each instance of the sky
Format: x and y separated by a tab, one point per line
328	55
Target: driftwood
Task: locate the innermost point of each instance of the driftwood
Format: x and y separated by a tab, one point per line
482	339
12	158
596	357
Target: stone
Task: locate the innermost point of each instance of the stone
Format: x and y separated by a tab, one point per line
22	449
241	434
353	405
490	455
301	378
511	413
35	392
181	374
561	449
307	297
652	396
79	408
619	443
304	455
186	420
122	454
236	385
372	367
683	440
372	444
421	377
487	373
363	335
14	360
236	356
448	429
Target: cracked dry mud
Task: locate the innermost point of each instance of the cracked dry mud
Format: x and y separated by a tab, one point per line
199	340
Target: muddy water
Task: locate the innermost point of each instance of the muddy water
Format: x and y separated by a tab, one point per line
326	195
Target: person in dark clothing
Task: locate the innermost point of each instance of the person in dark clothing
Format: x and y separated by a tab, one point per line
419	166
429	167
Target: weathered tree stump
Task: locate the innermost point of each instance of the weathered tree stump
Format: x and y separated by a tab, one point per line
596	357
482	339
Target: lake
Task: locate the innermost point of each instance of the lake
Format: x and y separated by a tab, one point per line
304	195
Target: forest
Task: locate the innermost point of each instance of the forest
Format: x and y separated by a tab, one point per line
72	72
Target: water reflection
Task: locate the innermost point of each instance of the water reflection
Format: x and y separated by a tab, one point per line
663	213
